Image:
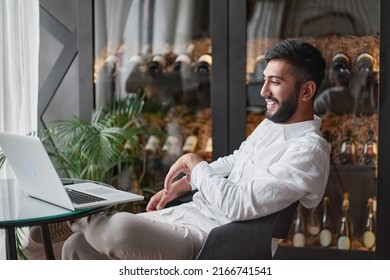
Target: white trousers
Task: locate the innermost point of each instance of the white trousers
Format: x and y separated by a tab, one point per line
123	235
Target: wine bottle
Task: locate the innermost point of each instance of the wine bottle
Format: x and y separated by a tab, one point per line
152	145
153	161
135	68
208	150
365	62
157	65
374	204
299	235
326	225
170	145
341	62
105	82
204	64
313	225
173	143
203	76
369	228
344	241
370	150
183	77
191	143
182	66
347	150
183	62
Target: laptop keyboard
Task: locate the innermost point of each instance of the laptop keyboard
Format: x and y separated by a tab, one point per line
81	198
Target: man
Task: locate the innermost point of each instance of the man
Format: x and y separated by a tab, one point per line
284	160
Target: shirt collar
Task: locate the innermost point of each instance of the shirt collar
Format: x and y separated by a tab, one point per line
297	129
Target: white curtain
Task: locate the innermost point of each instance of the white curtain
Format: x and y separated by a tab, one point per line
19	46
19	62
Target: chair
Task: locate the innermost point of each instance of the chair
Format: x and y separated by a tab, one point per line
244	240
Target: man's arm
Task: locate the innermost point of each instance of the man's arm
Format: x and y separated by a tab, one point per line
300	174
185	164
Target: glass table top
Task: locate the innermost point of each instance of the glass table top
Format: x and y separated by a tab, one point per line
18	209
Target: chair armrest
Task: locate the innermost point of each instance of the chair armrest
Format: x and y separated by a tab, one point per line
250	239
187	197
240	240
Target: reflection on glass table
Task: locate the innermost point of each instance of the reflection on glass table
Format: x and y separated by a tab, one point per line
20	210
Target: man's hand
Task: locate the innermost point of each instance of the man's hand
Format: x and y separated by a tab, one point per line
171	190
184	164
160	199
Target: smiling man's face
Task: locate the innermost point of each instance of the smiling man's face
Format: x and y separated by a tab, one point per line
280	91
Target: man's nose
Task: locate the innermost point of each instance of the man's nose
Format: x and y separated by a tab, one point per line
264	90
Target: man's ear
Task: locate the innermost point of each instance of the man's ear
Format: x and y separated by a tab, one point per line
309	89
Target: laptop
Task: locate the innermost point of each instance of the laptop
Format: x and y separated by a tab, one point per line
39	179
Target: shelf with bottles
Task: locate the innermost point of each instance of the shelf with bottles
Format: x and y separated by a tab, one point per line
186	131
176	84
352	46
354	56
320	228
352	139
177	74
178	131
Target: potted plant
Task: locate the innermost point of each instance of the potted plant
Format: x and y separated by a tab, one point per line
108	148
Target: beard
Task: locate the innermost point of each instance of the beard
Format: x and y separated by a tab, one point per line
286	108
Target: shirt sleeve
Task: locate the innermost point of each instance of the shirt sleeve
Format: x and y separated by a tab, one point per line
299	174
222	166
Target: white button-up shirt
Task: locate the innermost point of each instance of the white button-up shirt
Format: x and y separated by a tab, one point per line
277	165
